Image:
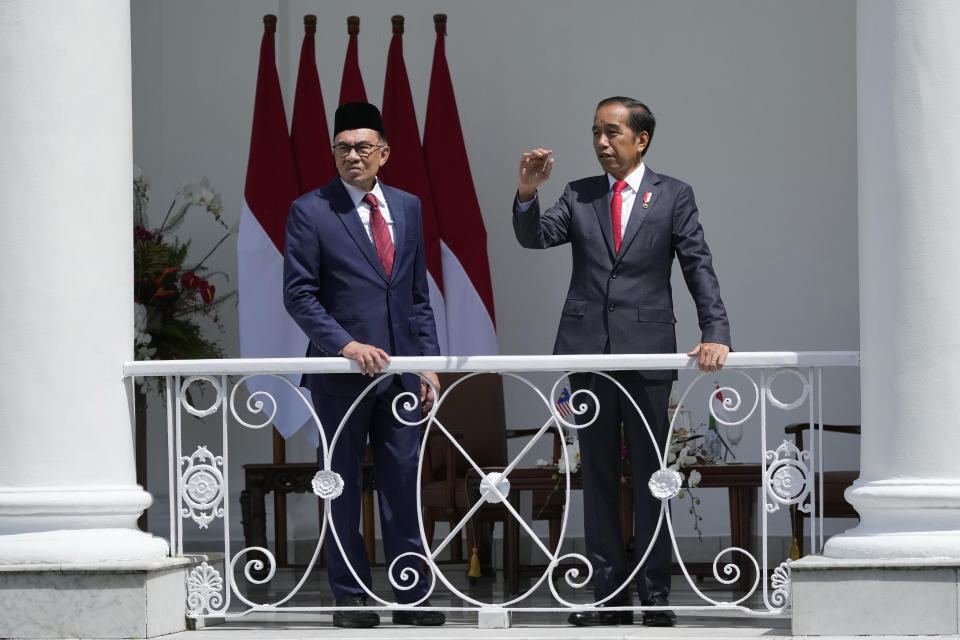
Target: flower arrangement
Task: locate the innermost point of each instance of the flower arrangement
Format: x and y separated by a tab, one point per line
171	293
684	452
572	445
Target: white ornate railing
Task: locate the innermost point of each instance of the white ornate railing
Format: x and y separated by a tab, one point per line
199	480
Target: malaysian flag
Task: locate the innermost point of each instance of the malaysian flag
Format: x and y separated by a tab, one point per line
563	403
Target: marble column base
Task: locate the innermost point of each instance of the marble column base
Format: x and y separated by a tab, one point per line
114	599
909	518
875	597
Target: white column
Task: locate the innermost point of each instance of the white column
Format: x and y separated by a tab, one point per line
67	488
908	73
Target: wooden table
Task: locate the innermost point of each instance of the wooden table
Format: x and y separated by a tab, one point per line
291	477
741	480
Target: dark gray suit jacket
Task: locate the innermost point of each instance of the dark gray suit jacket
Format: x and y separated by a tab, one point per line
624	299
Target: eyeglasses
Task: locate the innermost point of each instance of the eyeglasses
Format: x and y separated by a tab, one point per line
363	149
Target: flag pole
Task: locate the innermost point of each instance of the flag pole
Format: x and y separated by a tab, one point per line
467	286
270	28
266	330
351	83
309	135
407	168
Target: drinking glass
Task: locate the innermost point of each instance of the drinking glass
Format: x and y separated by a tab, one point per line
734	435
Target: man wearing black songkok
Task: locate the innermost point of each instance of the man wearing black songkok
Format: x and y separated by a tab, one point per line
355	281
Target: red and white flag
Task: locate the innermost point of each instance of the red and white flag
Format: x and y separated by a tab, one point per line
351	83
407	170
563	403
308	131
266	330
717	402
471	324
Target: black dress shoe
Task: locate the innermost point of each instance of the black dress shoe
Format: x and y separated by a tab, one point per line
420	618
354	619
602	618
660	618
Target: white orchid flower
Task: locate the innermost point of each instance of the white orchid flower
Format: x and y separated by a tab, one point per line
139	318
573	457
145	353
189	191
140	183
203	195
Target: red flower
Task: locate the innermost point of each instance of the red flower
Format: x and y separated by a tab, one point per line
206	292
140	234
161	292
190	280
159	282
167	271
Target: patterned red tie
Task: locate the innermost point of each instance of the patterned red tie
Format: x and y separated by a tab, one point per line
381	234
616	204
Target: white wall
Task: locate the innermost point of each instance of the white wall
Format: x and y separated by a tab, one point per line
756	108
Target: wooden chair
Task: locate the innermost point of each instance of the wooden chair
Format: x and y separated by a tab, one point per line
834	484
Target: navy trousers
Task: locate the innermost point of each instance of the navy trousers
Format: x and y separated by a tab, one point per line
395	449
600	455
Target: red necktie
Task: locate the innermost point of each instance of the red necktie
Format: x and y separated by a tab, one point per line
381	234
616	204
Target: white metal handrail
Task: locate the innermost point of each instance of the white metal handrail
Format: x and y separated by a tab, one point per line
199	481
498	364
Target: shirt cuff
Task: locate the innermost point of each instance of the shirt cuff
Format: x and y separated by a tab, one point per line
522	207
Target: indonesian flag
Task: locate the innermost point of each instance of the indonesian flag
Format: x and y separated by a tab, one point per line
308	132
407	170
471	324
351	83
266	330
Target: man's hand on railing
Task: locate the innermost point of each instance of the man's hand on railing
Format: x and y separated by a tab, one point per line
370	358
712	356
427	396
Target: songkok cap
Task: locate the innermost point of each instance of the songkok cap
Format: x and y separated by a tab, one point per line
357	115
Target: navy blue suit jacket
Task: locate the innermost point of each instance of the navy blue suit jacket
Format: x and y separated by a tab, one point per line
336	290
625	299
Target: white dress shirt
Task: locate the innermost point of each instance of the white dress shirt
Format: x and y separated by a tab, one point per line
629	195
364	209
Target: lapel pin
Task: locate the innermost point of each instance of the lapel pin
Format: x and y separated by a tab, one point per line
646	198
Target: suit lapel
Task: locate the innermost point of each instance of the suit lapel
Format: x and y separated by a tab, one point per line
601	206
638	214
343	206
